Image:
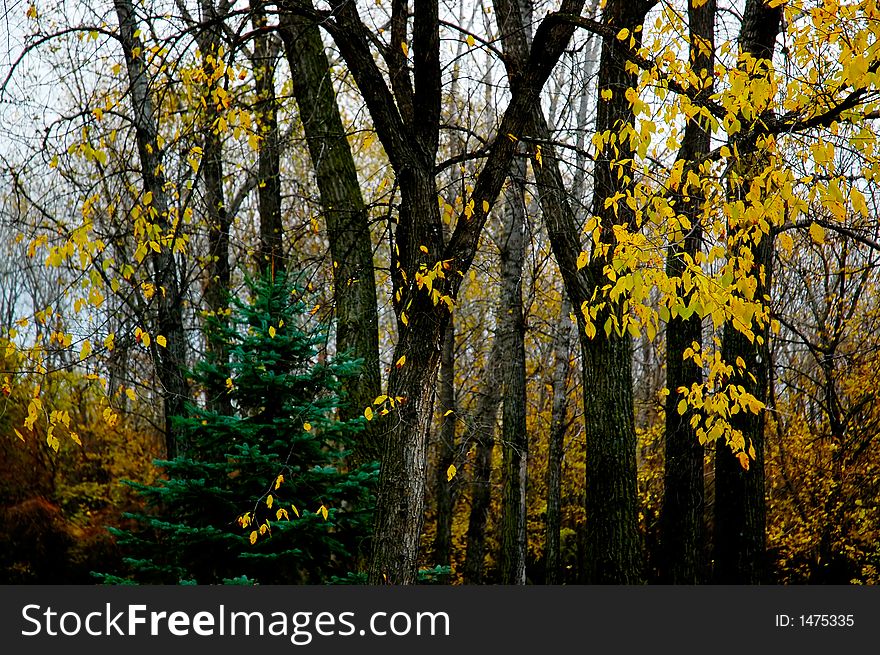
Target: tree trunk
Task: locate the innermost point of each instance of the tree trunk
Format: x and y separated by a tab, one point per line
170	361
558	425
740	513
514	438
218	274
444	488
271	252
682	530
482	434
354	282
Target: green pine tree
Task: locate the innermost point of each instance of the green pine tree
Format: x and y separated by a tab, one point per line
261	496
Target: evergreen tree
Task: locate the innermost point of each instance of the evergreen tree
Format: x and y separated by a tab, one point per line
260	496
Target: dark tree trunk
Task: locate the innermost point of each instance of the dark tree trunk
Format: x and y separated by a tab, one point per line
482	435
270	257
444	488
613	548
514	438
218	274
170	362
514	18
740	514
354	282
682	529
558	425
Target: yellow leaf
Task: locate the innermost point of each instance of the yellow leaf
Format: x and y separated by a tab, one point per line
786	242
623	34
108	342
400	362
295	510
131	395
485	207
307	427
86	349
447	412
405	48
75	438
470	40
582	260
145	339
743	460
148	197
606	94
162	341
817	233
380	399
253	537
424	249
271	332
368	413
450	472
18	434
269	501
322	511
279	481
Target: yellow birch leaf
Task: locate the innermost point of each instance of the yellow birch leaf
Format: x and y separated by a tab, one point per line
279	481
323	512
817	233
368	412
470	40
269	500
162	341
450	472
253	537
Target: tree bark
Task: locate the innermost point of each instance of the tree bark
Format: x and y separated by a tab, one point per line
270	257
218	273
170	362
482	435
558	425
514	439
740	514
354	282
444	488
682	530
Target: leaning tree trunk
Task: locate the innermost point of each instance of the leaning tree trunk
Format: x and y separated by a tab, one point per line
740	513
682	522
170	361
354	282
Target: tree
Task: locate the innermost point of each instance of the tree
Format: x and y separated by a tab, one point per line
682	515
262	495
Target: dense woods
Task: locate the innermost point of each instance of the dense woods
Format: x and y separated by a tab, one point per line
392	292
